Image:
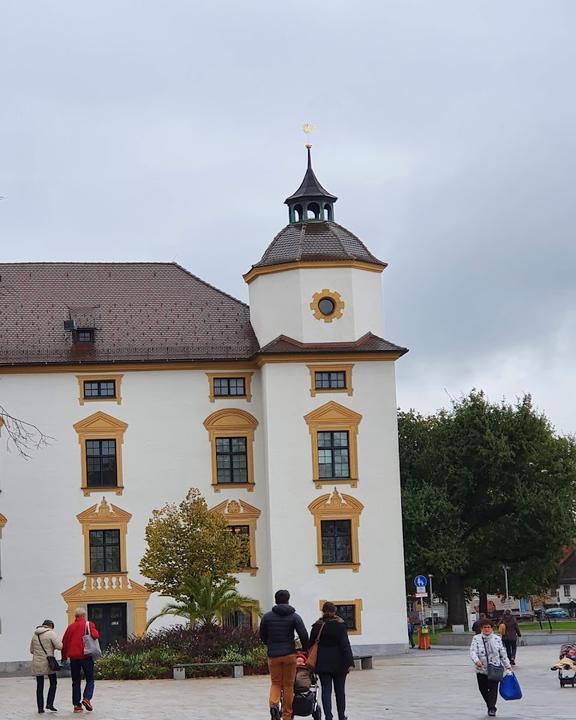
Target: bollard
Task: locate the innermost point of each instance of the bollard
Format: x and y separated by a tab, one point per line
238	671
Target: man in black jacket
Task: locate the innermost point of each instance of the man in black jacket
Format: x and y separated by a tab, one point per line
277	633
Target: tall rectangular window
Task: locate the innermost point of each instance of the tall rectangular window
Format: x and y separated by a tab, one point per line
336	541
333	458
238	619
99	389
330	380
231	460
104	551
229	386
244	532
566	590
101	463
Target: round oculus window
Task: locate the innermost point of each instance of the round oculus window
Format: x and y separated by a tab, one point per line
326	306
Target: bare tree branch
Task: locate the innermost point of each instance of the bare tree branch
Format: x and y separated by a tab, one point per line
24	436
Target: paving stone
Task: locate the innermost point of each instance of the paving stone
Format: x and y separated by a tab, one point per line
435	685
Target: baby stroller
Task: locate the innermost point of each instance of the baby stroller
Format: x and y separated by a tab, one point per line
305	701
566	666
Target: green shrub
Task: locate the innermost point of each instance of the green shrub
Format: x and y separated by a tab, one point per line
153	655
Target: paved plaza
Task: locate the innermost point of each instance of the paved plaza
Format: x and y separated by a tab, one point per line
438	685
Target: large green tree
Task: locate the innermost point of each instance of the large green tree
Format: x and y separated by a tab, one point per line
484	485
186	542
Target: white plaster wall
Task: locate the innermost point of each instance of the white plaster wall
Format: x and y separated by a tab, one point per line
165	452
380	580
280	304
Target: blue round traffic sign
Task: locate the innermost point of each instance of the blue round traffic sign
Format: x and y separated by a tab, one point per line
420	581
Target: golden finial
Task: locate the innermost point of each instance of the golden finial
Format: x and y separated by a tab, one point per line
307	129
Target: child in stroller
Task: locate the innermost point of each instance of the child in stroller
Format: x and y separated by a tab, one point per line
566	666
305	701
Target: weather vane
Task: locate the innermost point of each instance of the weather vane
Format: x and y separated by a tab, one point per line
307	129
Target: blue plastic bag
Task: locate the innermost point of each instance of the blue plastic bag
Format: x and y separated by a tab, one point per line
510	688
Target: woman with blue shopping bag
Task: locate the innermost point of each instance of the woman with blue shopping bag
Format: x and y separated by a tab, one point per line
489	656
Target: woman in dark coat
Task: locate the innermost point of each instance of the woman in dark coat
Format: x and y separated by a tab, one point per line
334	659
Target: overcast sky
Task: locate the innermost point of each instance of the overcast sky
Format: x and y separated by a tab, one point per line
146	130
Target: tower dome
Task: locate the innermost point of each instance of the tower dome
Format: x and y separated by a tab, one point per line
316	282
312	235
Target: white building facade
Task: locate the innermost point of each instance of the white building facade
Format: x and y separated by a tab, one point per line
149	381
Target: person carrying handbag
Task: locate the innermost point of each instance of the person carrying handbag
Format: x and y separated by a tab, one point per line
331	655
81	653
489	656
43	645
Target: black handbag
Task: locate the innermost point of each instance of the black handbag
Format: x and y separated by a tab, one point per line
53	664
493	672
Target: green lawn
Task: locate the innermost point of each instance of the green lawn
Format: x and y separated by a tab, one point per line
557	626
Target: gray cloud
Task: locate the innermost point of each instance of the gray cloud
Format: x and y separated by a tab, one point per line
139	130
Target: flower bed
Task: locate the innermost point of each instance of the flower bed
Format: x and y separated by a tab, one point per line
152	656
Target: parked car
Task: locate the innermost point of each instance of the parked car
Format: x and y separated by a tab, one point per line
556	613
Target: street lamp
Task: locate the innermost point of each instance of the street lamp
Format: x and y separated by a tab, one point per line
506	568
430	576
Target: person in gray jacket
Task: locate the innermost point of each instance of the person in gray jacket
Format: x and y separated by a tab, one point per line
486	647
277	630
43	644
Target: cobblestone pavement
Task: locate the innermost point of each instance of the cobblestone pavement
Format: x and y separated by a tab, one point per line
437	685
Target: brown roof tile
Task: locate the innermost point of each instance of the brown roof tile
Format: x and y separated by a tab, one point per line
140	312
367	343
316	241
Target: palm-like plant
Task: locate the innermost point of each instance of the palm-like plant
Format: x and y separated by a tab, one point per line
206	602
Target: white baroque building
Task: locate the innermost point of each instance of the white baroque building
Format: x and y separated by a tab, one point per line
150	381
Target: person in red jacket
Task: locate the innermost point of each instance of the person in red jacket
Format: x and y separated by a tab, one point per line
73	649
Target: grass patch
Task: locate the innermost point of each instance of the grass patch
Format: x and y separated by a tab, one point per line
557	626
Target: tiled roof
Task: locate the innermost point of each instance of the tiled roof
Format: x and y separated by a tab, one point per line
367	343
316	241
140	312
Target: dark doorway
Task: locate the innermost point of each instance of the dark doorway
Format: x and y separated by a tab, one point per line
110	621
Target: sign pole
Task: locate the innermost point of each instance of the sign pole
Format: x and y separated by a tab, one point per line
430	576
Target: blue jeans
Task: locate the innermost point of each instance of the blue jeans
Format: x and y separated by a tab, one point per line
86	664
339	680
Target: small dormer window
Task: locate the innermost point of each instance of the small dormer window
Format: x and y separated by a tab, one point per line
84	335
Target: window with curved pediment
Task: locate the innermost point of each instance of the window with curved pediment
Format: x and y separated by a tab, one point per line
231	433
337	519
333	430
100	437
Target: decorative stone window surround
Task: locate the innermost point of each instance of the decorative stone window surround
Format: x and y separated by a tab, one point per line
334	417
231	422
345	368
336	298
337	507
238	512
245	375
117	378
103	516
357	613
101	426
112	587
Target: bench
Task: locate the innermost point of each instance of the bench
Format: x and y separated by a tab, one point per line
179	671
363	662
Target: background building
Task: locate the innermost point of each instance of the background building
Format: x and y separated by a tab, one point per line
150	381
